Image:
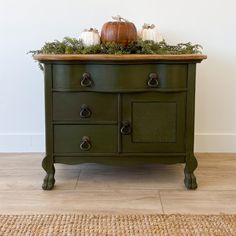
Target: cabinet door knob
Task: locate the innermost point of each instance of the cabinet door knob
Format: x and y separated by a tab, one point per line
86	80
125	128
153	80
85	111
85	143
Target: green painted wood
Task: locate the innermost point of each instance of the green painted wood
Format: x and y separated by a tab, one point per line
48	162
119	77
161	119
123	90
122	154
68	106
191	161
124	160
157	122
119	117
83	122
103	138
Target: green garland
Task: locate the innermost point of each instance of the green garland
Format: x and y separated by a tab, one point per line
74	46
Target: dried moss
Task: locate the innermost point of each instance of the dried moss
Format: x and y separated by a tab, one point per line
74	46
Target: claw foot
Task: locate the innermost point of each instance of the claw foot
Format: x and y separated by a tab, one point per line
190	181
48	182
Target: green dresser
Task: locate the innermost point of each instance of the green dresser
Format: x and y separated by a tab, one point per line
119	110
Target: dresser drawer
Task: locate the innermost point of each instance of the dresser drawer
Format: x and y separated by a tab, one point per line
84	106
99	77
85	138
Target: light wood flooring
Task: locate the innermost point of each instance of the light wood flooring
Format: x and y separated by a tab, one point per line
102	189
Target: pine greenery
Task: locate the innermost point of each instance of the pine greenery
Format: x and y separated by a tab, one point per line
74	46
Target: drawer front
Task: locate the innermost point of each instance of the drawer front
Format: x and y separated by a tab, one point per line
85	138
84	106
98	77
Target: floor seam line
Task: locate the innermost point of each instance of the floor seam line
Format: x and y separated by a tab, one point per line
162	208
76	184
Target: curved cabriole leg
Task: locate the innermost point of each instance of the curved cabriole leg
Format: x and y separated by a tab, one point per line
190	179
49	180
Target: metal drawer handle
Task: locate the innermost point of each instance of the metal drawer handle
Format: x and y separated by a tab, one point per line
85	111
86	80
85	144
153	80
126	128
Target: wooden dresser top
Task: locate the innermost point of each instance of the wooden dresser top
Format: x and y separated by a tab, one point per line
109	57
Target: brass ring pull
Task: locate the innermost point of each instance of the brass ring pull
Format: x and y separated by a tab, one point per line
126	128
85	144
86	80
85	111
153	80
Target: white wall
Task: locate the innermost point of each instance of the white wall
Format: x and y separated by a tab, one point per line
27	24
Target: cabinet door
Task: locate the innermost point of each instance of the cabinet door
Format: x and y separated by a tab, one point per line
157	122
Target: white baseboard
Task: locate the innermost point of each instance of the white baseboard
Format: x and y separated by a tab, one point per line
22	142
215	142
35	142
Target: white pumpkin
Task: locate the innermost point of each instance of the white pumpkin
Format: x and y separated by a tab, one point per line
149	32
90	37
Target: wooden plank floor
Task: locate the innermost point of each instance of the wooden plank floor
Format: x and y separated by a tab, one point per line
114	189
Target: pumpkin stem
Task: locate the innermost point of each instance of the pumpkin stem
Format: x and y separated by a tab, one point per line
119	18
148	26
91	30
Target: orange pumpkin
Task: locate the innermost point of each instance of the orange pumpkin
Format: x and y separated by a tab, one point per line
121	32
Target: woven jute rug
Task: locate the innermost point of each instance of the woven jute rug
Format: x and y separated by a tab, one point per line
105	225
